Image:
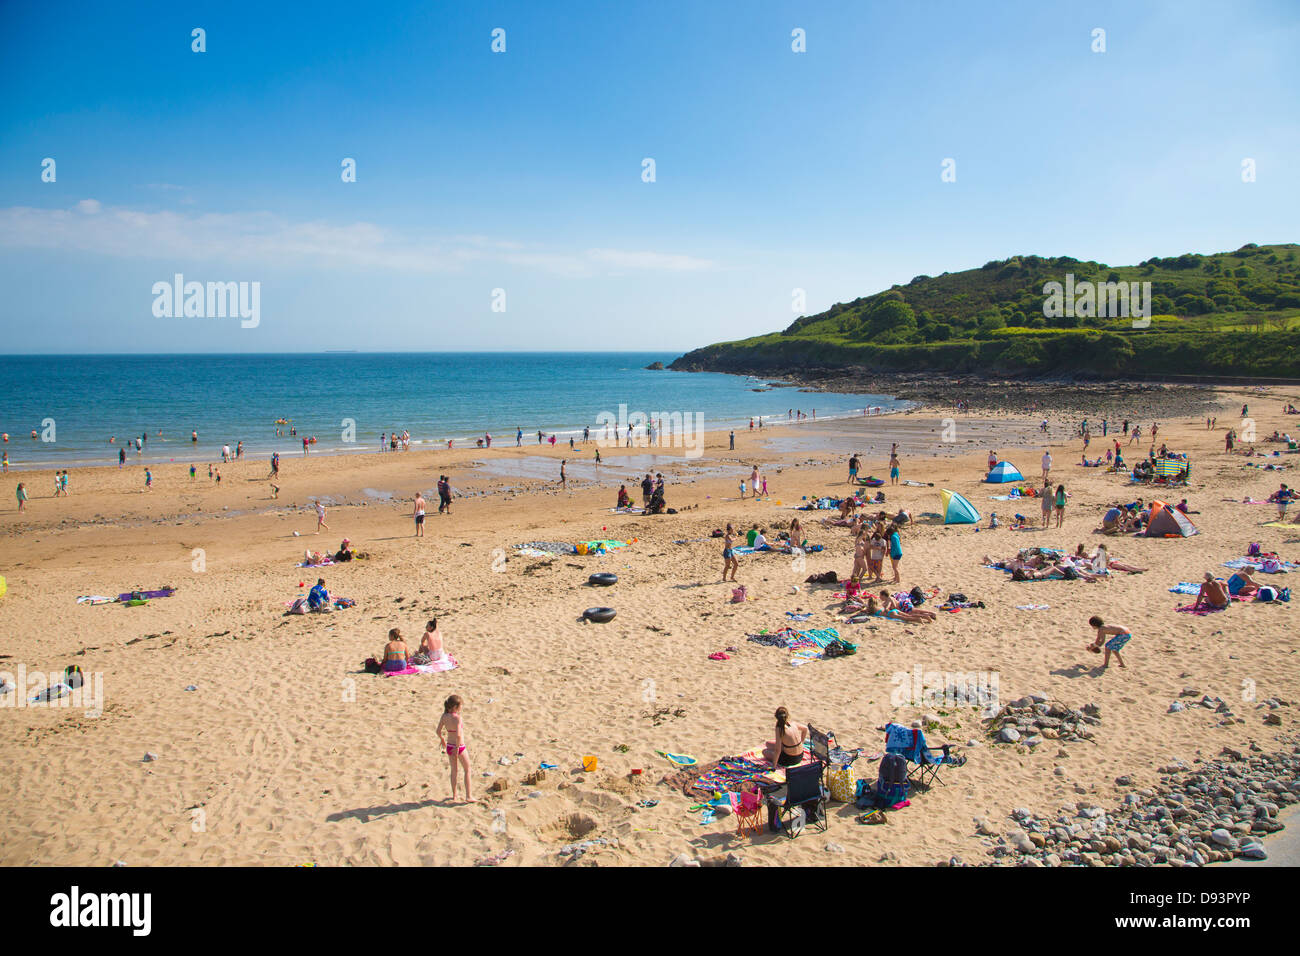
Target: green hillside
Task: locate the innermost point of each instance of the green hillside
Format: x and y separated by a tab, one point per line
1231	313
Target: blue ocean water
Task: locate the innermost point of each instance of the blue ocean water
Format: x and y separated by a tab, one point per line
80	401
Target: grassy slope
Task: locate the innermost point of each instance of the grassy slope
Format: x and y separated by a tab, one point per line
1235	313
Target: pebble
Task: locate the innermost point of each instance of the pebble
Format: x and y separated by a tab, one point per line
834	848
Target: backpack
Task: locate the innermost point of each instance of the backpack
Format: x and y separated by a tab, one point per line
299	606
372	666
1266	594
1253	550
834	649
891	782
917	596
72	676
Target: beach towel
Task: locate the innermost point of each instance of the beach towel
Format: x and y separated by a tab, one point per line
1257	564
547	547
798	617
1280	524
130	596
439	667
324	562
1198	611
631	510
1032	607
95	599
1185	587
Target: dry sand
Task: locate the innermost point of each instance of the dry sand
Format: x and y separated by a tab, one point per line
287	753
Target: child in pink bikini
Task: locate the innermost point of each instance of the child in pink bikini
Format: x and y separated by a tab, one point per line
451	734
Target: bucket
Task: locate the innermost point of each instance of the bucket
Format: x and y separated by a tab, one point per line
589	763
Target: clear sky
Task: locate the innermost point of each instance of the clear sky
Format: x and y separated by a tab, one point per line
523	170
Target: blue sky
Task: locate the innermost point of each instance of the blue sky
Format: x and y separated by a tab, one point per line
522	170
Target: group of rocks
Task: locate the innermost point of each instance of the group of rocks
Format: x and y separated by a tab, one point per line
1220	707
1030	720
1193	817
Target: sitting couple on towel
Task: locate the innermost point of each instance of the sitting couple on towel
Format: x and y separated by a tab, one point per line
397	657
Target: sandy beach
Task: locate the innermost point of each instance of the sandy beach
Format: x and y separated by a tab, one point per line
286	752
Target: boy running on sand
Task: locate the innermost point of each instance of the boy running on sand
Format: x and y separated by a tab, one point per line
451	734
1119	636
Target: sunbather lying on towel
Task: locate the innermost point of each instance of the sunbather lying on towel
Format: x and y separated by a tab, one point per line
1241	584
894	614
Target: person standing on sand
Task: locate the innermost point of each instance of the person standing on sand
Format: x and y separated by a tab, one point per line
893	468
1045	496
563	481
1060	504
853	468
1119	636
729	561
148	480
451	735
733	440
895	550
1047	465
21	492
320	517
419	515
753	481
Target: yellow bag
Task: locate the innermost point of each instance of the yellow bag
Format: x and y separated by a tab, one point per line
841	783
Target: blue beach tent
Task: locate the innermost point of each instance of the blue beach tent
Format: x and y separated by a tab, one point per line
1004	472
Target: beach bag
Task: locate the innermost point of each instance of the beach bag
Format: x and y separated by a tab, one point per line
1253	550
372	666
72	676
299	606
833	649
842	783
1266	594
739	595
957	598
917	596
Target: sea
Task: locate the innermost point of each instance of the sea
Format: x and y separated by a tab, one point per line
345	400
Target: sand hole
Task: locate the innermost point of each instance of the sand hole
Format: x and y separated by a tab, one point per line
568	828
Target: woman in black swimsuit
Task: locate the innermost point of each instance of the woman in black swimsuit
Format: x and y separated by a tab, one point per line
787	749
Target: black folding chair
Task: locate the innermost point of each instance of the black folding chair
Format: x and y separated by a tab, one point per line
803	790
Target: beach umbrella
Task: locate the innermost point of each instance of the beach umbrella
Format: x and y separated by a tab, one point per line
956	509
1004	472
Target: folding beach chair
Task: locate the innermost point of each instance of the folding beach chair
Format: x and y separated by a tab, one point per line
923	760
820	744
747	807
802	796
